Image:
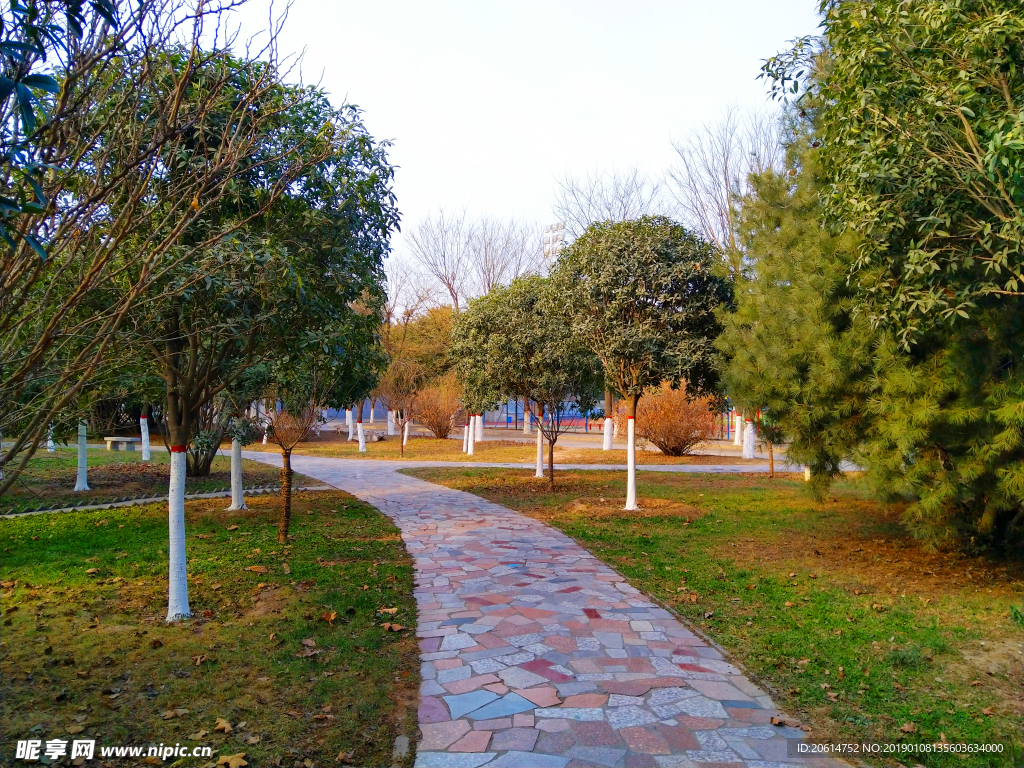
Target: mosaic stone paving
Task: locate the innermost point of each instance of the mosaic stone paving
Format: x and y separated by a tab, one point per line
537	655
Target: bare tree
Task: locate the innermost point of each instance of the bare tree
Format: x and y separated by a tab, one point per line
502	250
608	196
711	176
440	244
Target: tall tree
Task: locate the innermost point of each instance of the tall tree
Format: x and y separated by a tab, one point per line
643	295
615	195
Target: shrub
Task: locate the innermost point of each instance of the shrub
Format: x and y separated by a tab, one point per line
437	405
671	419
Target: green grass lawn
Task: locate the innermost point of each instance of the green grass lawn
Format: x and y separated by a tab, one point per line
49	478
84	648
850	625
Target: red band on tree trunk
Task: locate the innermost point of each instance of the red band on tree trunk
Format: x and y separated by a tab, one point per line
178	449
629	418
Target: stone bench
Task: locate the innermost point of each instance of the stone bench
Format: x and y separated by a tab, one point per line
115	443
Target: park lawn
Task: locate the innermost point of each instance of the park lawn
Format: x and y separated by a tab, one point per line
848	623
85	652
49	478
425	448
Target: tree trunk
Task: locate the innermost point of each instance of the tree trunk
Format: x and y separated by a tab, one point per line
471	434
391	423
551	461
82	480
237	493
405	433
373	402
609	423
737	422
749	439
177	570
349	422
49	440
540	448
527	416
465	437
771	461
480	427
362	434
286	497
631	401
144	431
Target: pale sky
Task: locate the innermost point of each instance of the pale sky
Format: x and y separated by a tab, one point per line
487	103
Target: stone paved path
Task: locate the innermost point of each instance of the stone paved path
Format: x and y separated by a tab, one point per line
537	655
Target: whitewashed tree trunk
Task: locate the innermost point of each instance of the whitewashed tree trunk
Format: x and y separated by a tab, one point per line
177	573
49	440
749	439
362	434
237	492
540	454
631	463
465	438
470	435
350	423
609	427
405	433
737	425
807	473
144	431
391	423
615	429
527	417
82	481
480	427
372	404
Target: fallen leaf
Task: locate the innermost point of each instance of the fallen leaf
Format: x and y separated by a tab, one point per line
693	597
709	614
306	652
346	757
92	570
803	662
252	739
232	527
149	760
198	659
832	695
309	642
329	617
75	729
241	725
987	711
975	682
293	713
392	611
389	627
366	587
202	733
215	587
899	687
286	568
789	604
257	568
174	713
223	726
154	644
787	721
792	575
232	761
908	727
202	535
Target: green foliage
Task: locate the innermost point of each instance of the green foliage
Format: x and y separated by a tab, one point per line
795	344
643	295
924	134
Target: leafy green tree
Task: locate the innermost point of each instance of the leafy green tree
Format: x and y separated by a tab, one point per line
519	340
795	344
643	296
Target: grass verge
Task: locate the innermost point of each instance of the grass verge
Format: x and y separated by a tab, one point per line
832	606
423	448
287	644
49	478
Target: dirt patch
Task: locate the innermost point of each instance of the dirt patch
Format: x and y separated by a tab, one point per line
599	507
867	549
271	600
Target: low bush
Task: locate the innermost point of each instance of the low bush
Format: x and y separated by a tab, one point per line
671	419
437	406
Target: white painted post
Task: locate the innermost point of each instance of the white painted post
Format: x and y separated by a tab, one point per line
480	427
144	430
82	481
237	493
540	454
471	434
362	435
465	436
177	573
391	422
609	427
630	463
749	439
737	421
